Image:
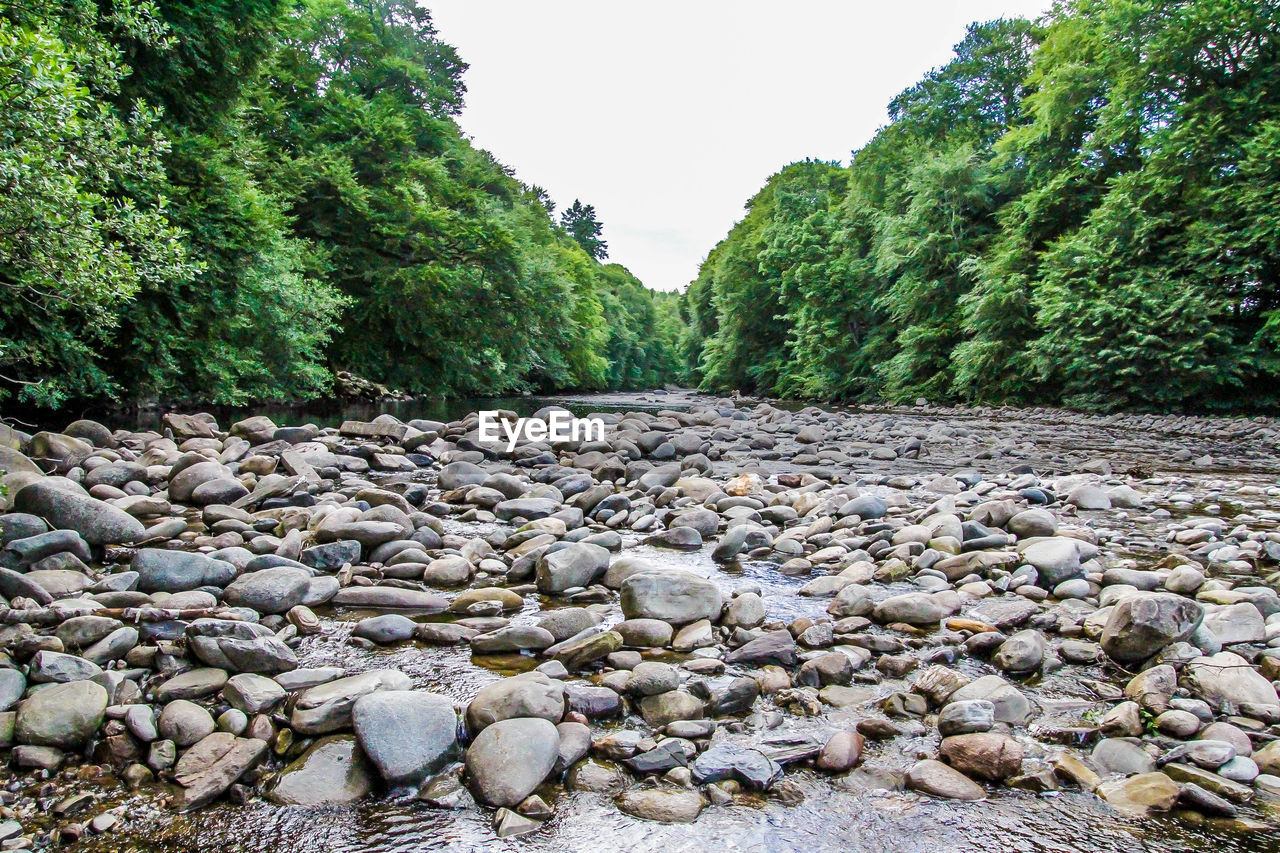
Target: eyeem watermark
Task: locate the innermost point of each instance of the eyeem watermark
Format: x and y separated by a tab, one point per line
560	426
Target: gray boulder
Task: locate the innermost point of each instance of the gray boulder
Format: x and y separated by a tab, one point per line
1142	624
67	507
510	758
407	734
677	597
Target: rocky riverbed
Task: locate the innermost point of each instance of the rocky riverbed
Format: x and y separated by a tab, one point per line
726	623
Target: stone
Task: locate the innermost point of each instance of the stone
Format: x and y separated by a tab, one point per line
1021	653
841	752
252	694
664	708
192	684
390	598
273	590
510	758
333	770
1055	558
1142	624
913	608
984	754
1227	679
775	647
750	767
939	780
161	570
973	715
244	755
1139	795
385	629
1117	755
69	508
407	734
64	716
530	694
676	597
185	723
663	806
327	707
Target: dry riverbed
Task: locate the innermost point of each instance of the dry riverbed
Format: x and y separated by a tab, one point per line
728	623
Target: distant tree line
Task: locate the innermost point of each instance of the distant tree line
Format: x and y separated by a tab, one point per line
1083	211
225	201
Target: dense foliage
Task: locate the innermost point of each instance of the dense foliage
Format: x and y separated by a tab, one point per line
1085	211
225	201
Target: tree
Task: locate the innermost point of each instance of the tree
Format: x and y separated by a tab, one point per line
83	218
581	224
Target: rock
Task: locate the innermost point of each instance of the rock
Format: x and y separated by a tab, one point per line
385	629
389	598
184	722
566	622
745	611
509	824
1032	523
510	758
866	507
1227	679
252	693
936	778
644	633
1021	653
665	708
530	694
1116	755
12	686
239	646
68	508
161	570
841	752
1056	559
273	590
676	597
192	684
449	570
985	754
750	767
47	667
1235	623
64	716
973	715
244	755
776	647
1142	624
913	608
662	805
327	707
577	564
407	734
333	770
1139	795
331	556
651	678
1011	706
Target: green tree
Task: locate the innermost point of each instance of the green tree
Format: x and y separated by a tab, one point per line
581	224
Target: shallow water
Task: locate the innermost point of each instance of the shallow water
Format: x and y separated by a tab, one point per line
831	817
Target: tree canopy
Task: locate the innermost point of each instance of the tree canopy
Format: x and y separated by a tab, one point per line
1080	211
227	201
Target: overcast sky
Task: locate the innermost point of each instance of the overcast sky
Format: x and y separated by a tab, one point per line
668	115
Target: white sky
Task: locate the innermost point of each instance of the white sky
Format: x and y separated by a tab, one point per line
668	116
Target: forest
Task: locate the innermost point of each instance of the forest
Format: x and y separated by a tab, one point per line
1082	211
225	201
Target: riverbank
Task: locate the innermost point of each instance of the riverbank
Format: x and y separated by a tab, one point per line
729	622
